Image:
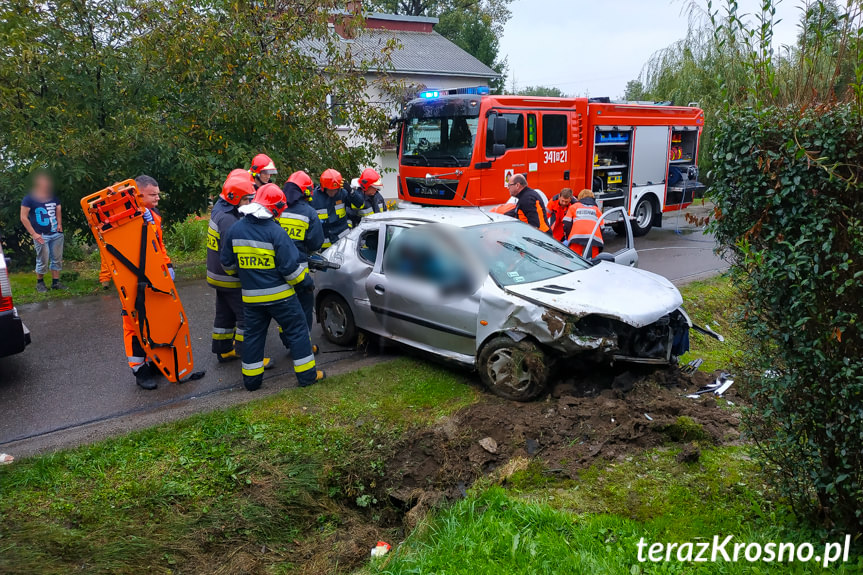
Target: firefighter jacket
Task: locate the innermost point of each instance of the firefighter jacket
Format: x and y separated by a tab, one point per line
223	216
556	216
582	216
363	205
264	258
530	204
301	222
333	214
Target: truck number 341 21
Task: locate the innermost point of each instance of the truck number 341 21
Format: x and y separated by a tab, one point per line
555	157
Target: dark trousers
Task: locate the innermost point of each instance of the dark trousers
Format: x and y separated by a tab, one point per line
229	325
307	302
289	315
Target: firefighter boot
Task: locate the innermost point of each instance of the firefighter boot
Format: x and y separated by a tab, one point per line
145	378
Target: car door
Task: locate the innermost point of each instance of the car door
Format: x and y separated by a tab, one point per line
415	309
626	255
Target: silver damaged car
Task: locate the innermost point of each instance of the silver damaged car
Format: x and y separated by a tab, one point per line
493	293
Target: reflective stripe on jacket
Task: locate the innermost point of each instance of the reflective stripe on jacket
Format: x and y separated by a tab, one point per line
332	213
584	215
264	258
300	220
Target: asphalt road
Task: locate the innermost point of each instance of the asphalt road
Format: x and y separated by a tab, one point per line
72	384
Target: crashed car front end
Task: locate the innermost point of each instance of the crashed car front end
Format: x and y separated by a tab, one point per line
607	313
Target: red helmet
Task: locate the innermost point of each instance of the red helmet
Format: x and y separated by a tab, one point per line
271	197
370	177
331	179
238	185
262	164
303	181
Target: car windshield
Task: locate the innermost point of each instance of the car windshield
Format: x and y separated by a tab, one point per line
515	253
440	132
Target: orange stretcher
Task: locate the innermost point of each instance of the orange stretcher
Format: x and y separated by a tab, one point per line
137	261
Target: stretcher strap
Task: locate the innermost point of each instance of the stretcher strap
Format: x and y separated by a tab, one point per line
140	300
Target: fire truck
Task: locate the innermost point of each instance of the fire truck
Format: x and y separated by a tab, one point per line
457	148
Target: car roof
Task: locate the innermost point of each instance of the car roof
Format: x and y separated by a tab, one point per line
459	217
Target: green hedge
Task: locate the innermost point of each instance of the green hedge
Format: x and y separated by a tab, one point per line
788	192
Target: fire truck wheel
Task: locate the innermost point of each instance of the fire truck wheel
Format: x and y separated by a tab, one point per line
642	216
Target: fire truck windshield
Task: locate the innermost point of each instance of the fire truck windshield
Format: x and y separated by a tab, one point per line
440	133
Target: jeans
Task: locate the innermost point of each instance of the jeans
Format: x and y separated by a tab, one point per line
51	250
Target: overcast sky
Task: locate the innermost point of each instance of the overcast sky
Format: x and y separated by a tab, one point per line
597	46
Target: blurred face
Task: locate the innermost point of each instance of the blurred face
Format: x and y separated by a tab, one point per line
42	187
373	190
246	200
264	177
331	192
564	202
150	196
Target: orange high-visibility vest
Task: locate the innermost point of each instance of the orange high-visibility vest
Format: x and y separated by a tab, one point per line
583	220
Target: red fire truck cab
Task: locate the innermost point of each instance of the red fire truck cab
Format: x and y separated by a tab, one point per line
458	149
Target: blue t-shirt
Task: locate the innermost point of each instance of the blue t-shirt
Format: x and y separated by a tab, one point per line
43	215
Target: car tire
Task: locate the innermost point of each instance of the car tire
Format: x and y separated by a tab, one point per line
337	320
513	370
642	216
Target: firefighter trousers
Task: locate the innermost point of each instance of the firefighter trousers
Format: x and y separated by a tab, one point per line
289	315
229	325
307	302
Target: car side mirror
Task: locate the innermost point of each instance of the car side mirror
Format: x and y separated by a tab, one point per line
603	257
498	150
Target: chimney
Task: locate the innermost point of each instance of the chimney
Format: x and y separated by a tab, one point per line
345	24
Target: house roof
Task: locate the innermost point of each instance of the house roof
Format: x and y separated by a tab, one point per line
424	53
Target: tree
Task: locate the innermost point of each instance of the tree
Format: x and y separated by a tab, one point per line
473	25
635	91
98	91
545	91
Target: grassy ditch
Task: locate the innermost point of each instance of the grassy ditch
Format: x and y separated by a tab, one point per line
273	485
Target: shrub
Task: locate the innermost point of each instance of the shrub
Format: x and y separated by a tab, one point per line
188	236
789	204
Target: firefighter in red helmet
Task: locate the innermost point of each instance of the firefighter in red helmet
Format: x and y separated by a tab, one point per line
331	202
262	170
229	323
258	252
369	186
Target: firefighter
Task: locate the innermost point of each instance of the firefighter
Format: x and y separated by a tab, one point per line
259	252
262	170
557	210
146	374
528	202
301	222
331	203
581	220
367	198
229	324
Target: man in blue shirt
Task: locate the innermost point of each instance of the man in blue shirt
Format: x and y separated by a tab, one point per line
42	217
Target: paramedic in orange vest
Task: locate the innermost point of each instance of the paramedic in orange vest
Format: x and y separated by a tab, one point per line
581	220
262	170
528	202
146	374
557	210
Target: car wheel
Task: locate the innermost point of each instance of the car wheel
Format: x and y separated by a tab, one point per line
337	320
513	370
642	217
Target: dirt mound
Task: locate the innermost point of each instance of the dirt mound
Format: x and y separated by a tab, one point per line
603	416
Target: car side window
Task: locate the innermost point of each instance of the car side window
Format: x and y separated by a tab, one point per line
419	255
367	246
